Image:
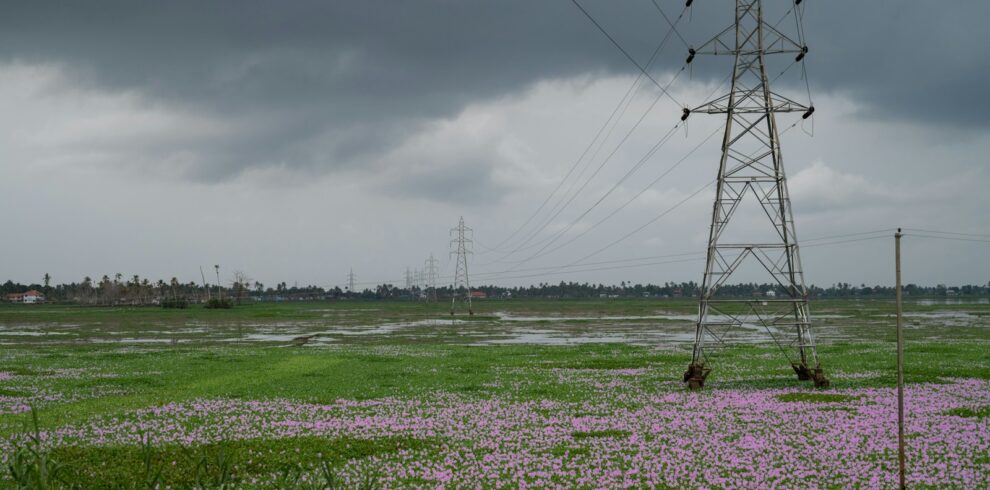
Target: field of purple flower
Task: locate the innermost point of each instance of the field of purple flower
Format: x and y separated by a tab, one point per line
631	439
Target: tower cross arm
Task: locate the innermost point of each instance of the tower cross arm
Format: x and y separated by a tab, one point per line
746	105
724	43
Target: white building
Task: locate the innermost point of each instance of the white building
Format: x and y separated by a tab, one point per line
31	297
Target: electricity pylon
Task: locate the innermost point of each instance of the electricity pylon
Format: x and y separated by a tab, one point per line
350	281
460	238
431	272
409	279
751	171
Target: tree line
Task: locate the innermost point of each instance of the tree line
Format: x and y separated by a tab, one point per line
135	290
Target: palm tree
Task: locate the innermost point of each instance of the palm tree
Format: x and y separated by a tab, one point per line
105	286
87	288
145	288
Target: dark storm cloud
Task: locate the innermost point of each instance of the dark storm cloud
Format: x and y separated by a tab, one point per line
319	85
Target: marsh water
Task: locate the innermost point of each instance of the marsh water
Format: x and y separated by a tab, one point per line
639	322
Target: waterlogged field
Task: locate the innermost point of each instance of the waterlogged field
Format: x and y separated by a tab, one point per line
524	394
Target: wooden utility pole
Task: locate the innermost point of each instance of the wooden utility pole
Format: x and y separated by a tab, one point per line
900	361
219	291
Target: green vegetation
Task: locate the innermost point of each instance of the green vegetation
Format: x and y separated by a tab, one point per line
600	433
980	412
218	303
211	465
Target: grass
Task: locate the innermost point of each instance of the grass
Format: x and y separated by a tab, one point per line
979	413
618	434
183	466
325	375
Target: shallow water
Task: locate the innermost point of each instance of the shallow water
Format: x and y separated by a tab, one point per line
657	327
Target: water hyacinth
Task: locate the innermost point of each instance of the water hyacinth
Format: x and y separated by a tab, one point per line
23	398
622	437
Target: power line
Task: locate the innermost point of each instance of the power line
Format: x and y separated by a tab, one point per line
624	105
607	159
602	268
633	198
695	149
648	223
642	262
851	240
885	230
826	240
673	25
658	217
664	90
612	189
654	182
624	52
664	213
958	239
978	235
586	264
822	241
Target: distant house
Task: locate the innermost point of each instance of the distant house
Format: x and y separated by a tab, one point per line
30	297
478	295
771	293
34	296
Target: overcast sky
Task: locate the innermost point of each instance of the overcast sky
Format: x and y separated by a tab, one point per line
296	140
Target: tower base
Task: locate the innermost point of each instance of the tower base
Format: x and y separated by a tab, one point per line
695	376
817	375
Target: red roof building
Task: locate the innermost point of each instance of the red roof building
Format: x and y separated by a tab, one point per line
32	296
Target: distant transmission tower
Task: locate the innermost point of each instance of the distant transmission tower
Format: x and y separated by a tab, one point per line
409	279
350	281
751	172
430	273
460	238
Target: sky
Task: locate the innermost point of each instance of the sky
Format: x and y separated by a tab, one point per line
296	141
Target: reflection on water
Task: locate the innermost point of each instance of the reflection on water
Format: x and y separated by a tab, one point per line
953	301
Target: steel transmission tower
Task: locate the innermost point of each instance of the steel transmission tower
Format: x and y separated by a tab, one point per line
461	239
350	281
431	272
751	174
